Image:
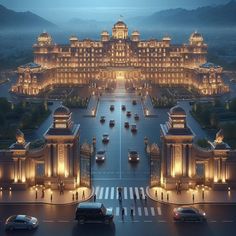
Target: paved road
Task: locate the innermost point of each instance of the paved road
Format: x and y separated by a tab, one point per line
150	218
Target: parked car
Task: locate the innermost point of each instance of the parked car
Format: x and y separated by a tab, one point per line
123	107
134	128
133	156
126	124
112	107
105	138
112	123
100	155
128	113
21	222
93	212
102	119
136	116
184	213
134	102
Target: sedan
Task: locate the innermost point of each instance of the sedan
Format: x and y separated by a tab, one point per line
136	116
112	123
112	108
123	107
105	138
134	128
134	102
102	119
126	125
21	222
100	156
133	156
184	213
128	113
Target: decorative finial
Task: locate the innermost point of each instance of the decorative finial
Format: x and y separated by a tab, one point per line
20	138
219	137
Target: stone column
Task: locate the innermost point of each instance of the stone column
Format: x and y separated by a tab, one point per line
15	169
19	170
223	170
184	160
215	170
23	170
71	163
55	155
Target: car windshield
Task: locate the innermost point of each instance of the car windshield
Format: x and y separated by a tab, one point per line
28	218
133	153
100	152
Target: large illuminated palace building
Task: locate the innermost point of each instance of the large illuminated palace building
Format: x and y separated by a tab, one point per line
120	56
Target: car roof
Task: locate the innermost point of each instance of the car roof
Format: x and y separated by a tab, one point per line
105	134
20	217
89	205
132	151
187	208
101	151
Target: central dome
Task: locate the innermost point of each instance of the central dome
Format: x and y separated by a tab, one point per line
61	111
177	110
120	24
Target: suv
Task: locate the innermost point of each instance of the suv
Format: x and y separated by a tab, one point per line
105	138
112	123
102	119
93	212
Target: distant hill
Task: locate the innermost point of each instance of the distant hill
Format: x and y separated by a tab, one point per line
11	20
210	16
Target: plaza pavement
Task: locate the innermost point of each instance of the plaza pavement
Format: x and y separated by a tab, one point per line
92	106
192	196
29	196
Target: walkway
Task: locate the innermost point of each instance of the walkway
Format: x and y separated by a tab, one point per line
197	196
30	196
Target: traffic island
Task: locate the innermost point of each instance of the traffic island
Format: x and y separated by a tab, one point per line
198	195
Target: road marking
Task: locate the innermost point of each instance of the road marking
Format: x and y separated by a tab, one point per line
117	211
136	192
142	191
139	211
96	190
227	221
147	221
125	208
48	221
63	221
131	193
145	211
117	194
107	193
162	221
101	193
125	193
213	221
112	193
159	211
152	211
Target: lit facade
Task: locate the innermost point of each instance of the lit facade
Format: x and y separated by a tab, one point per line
185	162
120	56
58	160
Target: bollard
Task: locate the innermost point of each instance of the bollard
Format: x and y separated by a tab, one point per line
167	197
156	193
203	195
162	196
193	197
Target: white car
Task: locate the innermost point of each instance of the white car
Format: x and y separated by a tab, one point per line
21	222
133	156
100	155
105	138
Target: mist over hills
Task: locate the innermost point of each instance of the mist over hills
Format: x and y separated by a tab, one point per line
11	20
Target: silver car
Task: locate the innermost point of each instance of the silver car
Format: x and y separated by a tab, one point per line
187	213
21	222
100	155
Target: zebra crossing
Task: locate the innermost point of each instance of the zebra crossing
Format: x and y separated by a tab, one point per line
106	193
138	211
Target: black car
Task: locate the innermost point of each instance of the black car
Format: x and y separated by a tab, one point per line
123	107
126	124
134	102
112	108
93	212
102	119
128	113
112	123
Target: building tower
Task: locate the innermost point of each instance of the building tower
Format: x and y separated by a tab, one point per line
120	30
62	159
177	139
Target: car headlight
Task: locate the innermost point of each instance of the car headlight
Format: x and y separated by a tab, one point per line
204	213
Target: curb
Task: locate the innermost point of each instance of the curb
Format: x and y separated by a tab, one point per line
187	204
49	203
